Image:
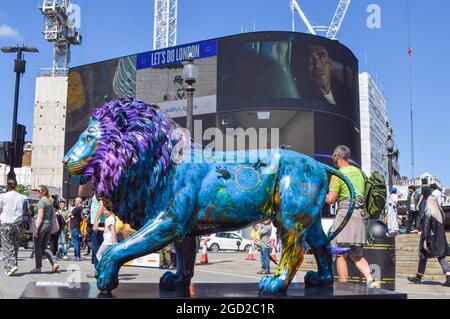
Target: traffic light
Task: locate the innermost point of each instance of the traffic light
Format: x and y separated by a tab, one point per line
21	131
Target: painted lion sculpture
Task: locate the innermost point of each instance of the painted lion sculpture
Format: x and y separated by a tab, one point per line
132	155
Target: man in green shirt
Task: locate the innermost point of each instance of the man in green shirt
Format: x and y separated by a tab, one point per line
354	234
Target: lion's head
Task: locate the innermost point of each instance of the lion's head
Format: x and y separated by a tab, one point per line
126	144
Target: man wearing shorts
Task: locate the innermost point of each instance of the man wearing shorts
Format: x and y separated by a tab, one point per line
353	235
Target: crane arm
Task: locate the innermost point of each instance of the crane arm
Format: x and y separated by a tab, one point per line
339	16
296	7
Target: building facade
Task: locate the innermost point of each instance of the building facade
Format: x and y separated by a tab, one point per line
403	184
48	132
374	131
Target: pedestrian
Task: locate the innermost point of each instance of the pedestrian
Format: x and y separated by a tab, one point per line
254	235
424	194
436	192
353	236
412	206
173	255
109	235
433	242
391	215
75	221
62	240
12	208
54	238
84	229
265	230
97	219
43	215
165	258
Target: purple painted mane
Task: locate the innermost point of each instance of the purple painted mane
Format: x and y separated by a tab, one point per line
131	131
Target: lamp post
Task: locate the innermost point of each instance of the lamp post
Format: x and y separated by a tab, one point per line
19	69
190	73
390	152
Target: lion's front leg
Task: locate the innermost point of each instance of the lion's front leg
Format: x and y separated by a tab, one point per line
186	253
156	234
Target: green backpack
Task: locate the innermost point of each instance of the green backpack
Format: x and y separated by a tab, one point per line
374	196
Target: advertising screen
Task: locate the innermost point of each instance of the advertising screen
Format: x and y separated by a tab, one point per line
287	70
160	78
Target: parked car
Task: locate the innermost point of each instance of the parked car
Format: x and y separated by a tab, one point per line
226	241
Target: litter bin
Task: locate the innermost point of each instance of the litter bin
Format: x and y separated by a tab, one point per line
380	256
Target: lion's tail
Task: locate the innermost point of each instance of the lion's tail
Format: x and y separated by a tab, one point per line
351	208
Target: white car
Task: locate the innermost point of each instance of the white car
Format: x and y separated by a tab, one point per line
226	241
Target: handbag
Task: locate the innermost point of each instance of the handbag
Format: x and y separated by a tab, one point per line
55	224
26	218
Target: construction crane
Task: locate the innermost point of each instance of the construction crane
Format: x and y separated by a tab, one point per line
165	24
60	29
329	31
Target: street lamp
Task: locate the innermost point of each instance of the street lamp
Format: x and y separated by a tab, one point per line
390	152
19	69
190	73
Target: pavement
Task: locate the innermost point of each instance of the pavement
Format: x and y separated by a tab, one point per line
223	267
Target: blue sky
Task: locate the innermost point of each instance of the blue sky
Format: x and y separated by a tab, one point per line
115	28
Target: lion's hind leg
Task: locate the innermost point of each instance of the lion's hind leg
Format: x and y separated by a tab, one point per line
291	259
186	253
320	247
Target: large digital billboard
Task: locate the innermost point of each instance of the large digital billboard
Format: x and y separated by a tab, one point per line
287	70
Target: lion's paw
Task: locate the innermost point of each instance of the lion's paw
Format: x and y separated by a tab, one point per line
107	272
314	279
272	286
172	281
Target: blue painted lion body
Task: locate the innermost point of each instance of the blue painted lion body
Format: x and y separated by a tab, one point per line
175	202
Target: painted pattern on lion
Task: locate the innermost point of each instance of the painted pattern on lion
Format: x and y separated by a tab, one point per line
127	150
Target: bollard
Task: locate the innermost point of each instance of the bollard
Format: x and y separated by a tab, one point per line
380	256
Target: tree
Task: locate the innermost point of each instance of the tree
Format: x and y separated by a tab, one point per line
22	190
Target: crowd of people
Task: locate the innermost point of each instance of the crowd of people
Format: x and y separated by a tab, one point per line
55	227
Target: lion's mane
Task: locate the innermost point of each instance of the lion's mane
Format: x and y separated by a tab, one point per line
131	157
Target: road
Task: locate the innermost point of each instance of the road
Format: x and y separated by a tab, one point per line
228	267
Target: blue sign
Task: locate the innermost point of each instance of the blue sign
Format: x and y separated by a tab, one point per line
177	54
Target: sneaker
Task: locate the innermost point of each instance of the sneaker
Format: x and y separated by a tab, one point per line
263	272
78	258
373	284
36	271
65	257
416	280
90	276
55	268
12	271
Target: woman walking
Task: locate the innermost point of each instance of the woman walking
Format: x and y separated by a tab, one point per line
433	242
43	214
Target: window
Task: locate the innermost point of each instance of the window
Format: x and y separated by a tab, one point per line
234	236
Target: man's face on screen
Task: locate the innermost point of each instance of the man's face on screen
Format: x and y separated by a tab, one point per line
320	67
